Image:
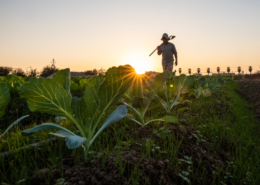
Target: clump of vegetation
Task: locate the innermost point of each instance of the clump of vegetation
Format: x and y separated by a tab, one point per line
191	130
53	96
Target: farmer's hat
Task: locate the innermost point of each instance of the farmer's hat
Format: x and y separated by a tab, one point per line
165	35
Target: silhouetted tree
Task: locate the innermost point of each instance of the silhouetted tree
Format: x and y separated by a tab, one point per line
228	69
250	69
18	72
218	69
239	69
102	71
33	73
48	70
180	70
208	71
189	71
93	72
4	71
198	70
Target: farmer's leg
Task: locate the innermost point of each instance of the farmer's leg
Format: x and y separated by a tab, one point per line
168	66
164	66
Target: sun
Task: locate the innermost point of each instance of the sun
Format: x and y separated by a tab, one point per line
140	62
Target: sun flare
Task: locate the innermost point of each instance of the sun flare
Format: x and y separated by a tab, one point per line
141	63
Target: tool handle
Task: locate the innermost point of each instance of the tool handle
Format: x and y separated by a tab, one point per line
171	37
153	52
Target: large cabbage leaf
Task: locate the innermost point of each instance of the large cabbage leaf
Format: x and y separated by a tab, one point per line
118	80
47	97
63	78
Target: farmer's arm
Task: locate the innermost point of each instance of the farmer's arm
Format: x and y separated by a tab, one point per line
174	51
176	59
159	52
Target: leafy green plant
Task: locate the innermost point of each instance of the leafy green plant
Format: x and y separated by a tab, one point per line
14	83
53	96
145	96
201	87
170	92
4	100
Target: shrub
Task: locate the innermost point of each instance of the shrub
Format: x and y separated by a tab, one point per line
4	71
48	70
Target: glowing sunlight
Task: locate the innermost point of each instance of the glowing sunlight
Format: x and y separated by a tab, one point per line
140	62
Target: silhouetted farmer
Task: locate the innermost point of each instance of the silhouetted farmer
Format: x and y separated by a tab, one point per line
168	50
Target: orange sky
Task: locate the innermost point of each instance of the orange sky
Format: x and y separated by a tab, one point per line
83	35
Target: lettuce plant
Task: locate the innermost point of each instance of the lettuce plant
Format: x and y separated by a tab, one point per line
202	86
145	96
14	83
53	96
170	92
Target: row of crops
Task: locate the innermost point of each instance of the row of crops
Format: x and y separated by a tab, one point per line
121	90
14	84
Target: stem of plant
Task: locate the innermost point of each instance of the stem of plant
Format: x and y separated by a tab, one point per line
86	152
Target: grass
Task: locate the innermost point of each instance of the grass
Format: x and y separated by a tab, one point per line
223	120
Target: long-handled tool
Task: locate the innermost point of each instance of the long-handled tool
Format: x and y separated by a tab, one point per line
171	37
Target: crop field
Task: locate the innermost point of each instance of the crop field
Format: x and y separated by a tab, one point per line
129	129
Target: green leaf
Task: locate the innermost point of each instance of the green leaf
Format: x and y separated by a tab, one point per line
206	93
138	86
4	98
47	97
14	123
183	82
91	97
118	80
185	178
83	82
74	141
118	114
80	109
170	119
45	126
74	87
57	119
18	182
63	78
157	83
61	133
132	108
35	80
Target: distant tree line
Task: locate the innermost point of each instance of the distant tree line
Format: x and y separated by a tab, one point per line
45	72
95	72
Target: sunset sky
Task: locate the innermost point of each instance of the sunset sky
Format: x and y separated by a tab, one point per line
83	35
